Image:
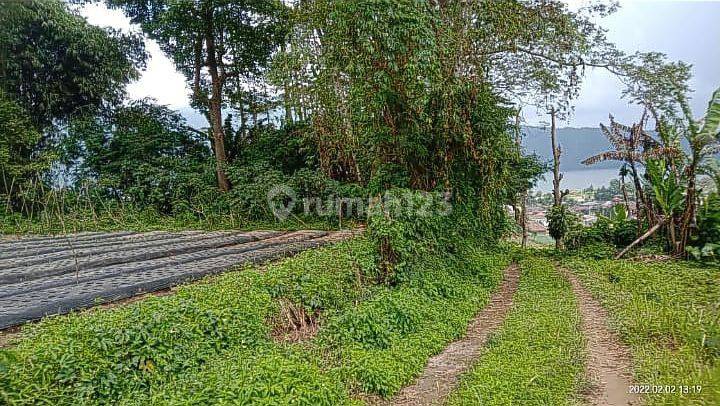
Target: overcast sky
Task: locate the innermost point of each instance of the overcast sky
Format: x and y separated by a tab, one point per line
685	30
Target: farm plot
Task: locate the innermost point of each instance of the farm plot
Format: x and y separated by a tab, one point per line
53	275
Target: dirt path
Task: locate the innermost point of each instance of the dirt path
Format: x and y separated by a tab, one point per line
609	362
443	370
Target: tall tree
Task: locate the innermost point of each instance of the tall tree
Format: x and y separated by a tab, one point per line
53	63
558	194
54	66
556	151
19	160
219	45
521	213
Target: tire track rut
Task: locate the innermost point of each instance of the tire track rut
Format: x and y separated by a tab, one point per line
443	371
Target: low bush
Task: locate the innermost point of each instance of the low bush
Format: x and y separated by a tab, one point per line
706	244
259	187
617	230
406	224
560	221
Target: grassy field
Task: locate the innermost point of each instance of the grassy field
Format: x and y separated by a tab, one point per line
221	339
537	357
668	313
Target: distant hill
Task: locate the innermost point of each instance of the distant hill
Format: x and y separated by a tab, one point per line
577	145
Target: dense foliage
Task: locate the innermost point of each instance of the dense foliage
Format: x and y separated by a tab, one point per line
617	230
220	46
20	164
380	98
706	243
667	198
144	153
54	63
560	220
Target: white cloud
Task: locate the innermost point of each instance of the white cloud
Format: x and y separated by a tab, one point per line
160	80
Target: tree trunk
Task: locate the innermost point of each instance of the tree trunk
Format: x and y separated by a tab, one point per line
287	104
690	207
522	218
255	108
268	107
219	144
623	188
671	233
243	125
642	238
640	196
557	176
215	109
287	97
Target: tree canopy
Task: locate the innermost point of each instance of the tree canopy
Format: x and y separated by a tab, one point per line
221	46
54	66
54	62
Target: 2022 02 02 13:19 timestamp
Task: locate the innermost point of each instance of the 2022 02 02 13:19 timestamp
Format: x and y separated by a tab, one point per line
656	389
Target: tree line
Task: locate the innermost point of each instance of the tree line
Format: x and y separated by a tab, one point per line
346	97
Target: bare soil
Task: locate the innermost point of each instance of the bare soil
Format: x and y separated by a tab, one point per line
8	336
443	371
609	366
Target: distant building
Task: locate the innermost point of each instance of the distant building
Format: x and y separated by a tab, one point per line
588	219
536	228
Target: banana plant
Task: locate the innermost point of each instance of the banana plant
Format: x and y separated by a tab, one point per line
712	170
667	193
633	146
704	139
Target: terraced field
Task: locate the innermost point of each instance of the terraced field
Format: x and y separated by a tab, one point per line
41	276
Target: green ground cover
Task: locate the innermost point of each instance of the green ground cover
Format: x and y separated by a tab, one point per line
213	341
669	315
536	358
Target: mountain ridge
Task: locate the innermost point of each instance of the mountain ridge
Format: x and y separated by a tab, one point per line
577	144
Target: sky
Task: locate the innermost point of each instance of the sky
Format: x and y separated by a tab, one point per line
686	30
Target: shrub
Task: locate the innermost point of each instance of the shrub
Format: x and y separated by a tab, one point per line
561	220
706	243
617	230
405	225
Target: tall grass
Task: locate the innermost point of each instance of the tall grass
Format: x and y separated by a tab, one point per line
37	209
